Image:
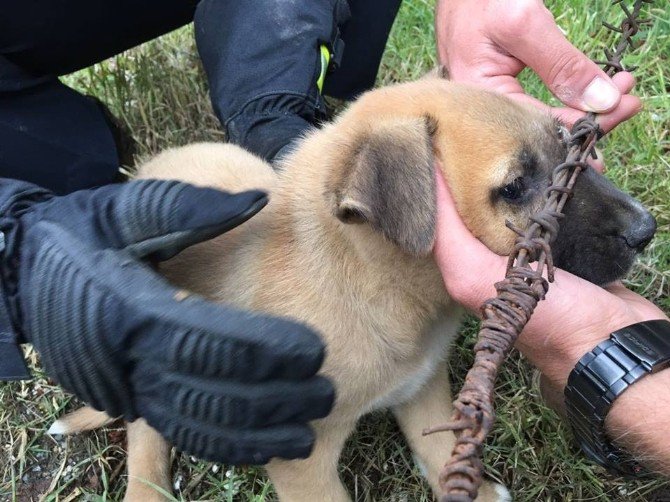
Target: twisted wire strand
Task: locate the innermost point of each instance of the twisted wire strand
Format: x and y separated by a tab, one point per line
505	316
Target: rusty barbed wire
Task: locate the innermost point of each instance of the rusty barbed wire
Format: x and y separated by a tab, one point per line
505	316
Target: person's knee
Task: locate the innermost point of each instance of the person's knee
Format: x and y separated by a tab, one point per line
57	138
264	65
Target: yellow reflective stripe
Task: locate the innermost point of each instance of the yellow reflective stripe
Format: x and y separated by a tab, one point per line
325	61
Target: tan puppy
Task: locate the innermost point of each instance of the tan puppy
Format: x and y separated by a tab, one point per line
345	246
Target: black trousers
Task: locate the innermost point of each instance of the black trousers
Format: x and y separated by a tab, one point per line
261	58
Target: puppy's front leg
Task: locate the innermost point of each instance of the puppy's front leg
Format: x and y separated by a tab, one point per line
148	463
316	477
431	407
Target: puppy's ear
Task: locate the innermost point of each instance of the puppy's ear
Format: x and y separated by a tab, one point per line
389	184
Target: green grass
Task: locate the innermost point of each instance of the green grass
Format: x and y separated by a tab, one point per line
159	90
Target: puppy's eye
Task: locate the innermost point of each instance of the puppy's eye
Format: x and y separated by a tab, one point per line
514	190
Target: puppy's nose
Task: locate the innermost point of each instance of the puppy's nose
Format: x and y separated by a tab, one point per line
641	231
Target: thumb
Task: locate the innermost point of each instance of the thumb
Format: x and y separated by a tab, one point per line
469	269
572	77
158	219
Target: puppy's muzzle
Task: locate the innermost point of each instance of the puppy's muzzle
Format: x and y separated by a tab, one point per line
603	231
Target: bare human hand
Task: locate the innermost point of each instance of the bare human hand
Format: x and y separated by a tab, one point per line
488	42
575	317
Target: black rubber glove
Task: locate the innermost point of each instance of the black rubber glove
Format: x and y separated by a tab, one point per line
218	383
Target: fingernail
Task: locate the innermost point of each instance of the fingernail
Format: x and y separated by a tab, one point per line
598	163
600	95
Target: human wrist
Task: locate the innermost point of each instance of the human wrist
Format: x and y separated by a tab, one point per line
637	417
575	317
611	371
554	346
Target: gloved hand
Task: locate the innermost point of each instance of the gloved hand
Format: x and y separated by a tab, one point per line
218	383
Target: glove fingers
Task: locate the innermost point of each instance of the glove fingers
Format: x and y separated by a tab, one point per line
101	312
232	445
190	336
234	404
201	338
277	403
157	219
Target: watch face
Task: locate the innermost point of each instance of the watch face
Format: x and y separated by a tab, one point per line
648	341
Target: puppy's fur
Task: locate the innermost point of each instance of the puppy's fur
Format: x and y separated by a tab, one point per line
345	246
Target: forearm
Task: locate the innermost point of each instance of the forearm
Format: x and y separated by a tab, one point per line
264	87
639	418
565	327
574	318
636	420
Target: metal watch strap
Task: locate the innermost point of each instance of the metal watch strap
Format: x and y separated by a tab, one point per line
604	374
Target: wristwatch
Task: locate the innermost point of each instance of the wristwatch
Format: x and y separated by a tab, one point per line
604	374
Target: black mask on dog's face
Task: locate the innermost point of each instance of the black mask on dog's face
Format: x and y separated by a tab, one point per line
603	229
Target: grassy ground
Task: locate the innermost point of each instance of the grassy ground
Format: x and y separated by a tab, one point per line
160	92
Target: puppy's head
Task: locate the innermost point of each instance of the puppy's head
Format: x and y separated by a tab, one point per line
497	157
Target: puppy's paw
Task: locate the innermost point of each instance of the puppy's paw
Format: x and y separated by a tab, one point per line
84	419
491	491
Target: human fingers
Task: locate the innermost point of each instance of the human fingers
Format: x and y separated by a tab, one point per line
628	107
151	219
157	218
571	76
561	325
